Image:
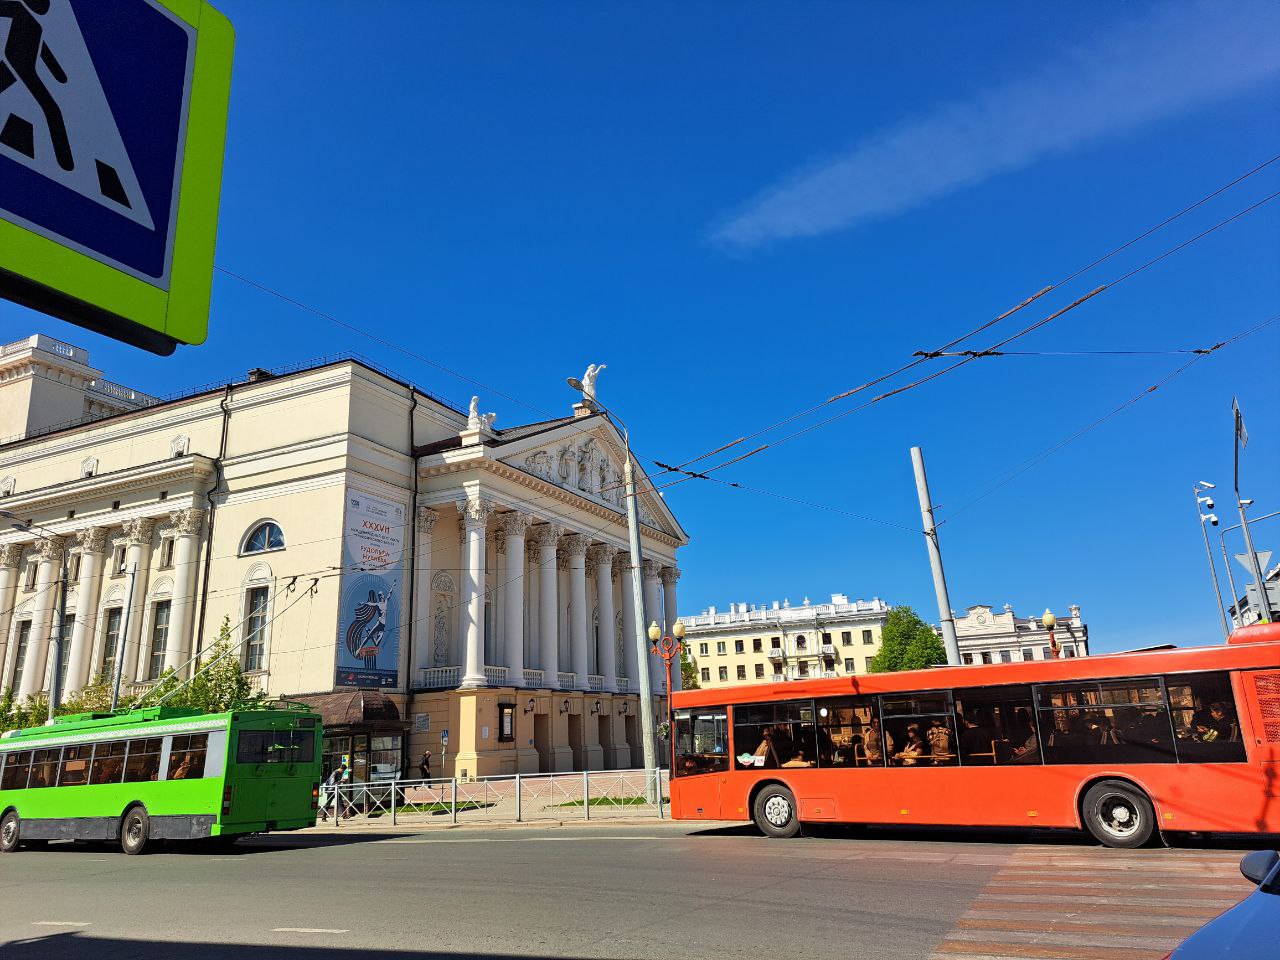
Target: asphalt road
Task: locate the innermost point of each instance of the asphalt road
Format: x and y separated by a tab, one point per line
611	891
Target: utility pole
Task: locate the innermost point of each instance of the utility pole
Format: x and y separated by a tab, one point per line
57	640
945	619
641	638
123	637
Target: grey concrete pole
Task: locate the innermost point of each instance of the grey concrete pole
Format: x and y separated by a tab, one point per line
641	638
57	639
123	638
1213	570
1264	605
945	619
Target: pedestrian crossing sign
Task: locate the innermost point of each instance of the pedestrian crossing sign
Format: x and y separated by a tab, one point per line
112	125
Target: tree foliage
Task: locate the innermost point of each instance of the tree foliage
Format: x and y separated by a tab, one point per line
907	643
688	671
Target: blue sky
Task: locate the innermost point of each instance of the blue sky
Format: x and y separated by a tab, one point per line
746	208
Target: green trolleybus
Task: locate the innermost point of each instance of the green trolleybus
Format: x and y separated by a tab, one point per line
160	773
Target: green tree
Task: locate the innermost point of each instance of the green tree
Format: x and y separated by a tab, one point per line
907	643
688	671
219	687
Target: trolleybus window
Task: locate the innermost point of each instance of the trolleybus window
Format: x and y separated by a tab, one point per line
75	765
702	741
775	734
143	762
186	757
108	762
1114	722
922	728
276	746
1206	726
17	766
997	726
849	733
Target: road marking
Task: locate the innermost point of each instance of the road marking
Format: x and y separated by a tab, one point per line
307	930
60	923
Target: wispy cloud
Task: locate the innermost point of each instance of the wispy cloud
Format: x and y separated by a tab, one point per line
1182	57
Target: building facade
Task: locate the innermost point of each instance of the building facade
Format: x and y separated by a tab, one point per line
777	642
985	636
426	579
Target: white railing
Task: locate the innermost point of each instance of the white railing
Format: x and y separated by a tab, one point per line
595	683
828	650
433	677
533	678
495	676
624	684
512	798
567	681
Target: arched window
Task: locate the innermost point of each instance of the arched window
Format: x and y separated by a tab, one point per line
265	536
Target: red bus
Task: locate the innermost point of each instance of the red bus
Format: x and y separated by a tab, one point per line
1123	745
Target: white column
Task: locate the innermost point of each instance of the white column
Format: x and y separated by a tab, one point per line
546	537
137	556
10	555
603	555
496	552
670	575
186	555
629	660
575	548
421	628
475	515
35	671
92	542
652	612
514	527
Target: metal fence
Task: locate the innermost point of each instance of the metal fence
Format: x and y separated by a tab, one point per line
513	798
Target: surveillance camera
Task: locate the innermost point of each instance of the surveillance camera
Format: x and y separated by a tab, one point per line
1207	501
1212	518
1207	485
1246	503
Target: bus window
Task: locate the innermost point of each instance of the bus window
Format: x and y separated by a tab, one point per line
75	766
44	769
775	734
108	762
1113	722
1206	727
920	730
276	746
143	762
996	726
186	757
702	741
17	766
849	733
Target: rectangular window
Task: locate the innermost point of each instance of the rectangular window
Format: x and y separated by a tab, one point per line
1028	653
166	552
724	673
757	645
110	639
1006	656
759	671
968	657
704	649
706	675
74	567
849	733
142	764
996	726
17	766
702	741
1068	651
1119	721
846	638
742	671
187	756
29	581
75	766
506	723
867	637
20	652
108	762
118	560
986	656
1206	726
44	769
275	746
775	643
826	638
739	646
64	661
803	668
720	648
848	665
384	754
1046	653
919	729
774	735
255	629
159	638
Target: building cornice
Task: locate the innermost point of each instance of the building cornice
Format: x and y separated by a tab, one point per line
193	467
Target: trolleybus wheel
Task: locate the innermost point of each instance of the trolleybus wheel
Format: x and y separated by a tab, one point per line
774	811
135	829
9	832
1118	814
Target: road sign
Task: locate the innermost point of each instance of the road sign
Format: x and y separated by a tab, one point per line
1242	434
1264	557
112	125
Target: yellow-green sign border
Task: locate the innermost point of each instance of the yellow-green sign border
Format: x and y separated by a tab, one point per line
58	280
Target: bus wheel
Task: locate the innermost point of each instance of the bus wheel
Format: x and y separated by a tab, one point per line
9	832
775	811
135	829
1118	815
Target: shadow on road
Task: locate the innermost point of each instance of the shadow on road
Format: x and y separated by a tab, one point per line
63	945
270	843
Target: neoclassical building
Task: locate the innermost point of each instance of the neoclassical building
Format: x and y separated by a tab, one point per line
985	636
425	578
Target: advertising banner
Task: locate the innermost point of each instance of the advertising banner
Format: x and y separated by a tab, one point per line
369	599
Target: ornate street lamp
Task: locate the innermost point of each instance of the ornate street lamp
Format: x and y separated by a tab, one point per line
1050	621
668	648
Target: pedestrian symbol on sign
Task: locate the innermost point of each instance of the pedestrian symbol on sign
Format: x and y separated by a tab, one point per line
54	115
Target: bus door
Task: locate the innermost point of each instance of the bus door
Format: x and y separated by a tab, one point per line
274	769
701	762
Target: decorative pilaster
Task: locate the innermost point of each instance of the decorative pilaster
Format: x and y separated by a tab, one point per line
545	538
602	555
92	544
476	511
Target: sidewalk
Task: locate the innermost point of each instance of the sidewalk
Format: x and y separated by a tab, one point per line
383	825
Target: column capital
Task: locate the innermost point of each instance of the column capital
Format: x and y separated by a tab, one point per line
139	531
591	566
426	520
10	554
621	562
189	522
652	569
574	544
51	548
602	553
476	511
547	535
92	540
516	523
533	552
670	576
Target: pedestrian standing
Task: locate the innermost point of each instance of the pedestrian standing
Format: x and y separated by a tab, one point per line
331	785
424	766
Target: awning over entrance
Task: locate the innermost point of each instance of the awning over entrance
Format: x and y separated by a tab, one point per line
360	710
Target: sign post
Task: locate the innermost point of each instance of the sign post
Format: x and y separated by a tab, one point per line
112	126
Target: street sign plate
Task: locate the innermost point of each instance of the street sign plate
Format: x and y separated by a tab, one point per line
1264	557
112	126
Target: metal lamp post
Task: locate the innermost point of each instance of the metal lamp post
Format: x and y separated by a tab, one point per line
668	648
1050	622
648	747
56	638
1205	501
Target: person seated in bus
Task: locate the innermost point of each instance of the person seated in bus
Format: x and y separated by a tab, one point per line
940	742
1026	748
183	770
764	755
914	748
799	760
1222	724
826	747
976	741
871	740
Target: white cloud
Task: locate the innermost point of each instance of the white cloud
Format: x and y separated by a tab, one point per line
1184	56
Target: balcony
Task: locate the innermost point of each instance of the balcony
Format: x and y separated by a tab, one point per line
439	678
595	683
624	684
777	653
567	681
495	676
828	650
533	678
